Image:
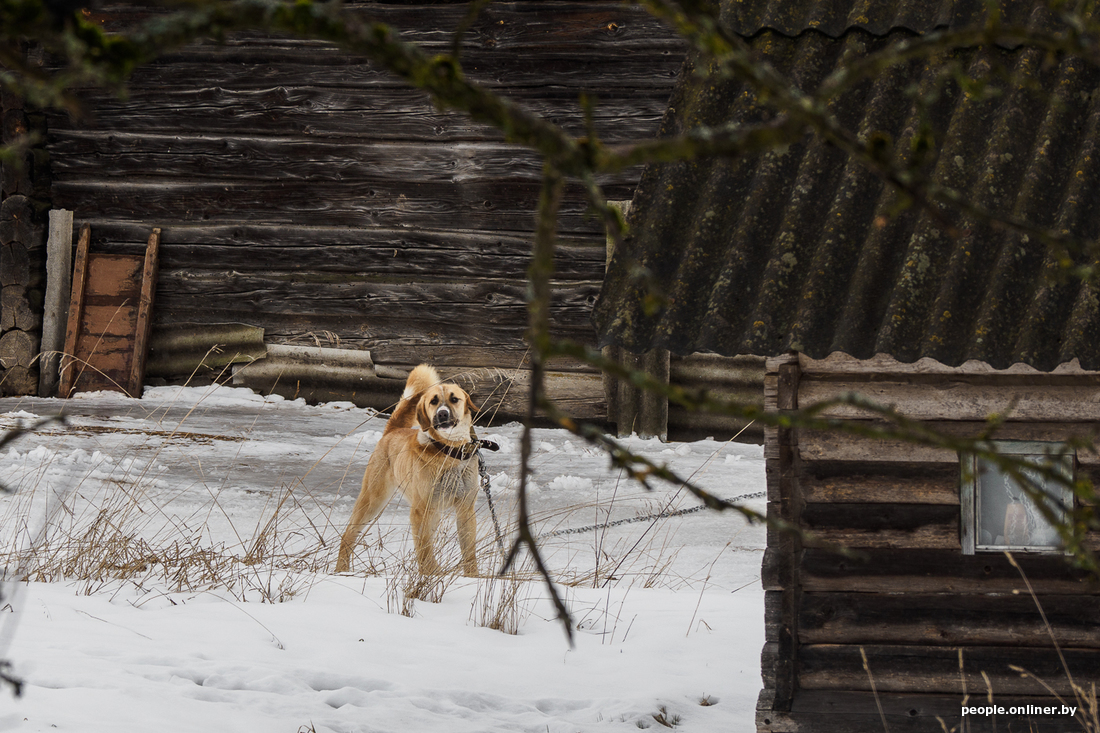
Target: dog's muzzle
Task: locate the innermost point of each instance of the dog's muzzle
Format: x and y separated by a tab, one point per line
443	418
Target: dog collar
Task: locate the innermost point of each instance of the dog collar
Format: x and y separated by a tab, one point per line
463	452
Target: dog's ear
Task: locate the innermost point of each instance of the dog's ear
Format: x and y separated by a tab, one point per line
470	406
422	417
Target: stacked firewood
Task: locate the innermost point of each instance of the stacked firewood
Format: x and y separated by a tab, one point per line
24	197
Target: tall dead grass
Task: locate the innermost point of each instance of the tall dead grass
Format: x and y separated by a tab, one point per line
116	522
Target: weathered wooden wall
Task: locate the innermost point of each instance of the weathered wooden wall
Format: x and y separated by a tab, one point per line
303	190
916	603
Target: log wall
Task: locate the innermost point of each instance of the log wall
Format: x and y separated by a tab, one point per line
304	191
913	625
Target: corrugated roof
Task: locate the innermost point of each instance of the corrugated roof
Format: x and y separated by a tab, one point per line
878	17
809	251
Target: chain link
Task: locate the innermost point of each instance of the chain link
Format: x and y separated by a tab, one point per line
647	517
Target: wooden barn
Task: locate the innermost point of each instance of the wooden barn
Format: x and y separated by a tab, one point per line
806	258
320	202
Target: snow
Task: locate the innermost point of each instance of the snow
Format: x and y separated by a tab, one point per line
180	551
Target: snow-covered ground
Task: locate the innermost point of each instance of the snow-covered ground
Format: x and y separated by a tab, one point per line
180	549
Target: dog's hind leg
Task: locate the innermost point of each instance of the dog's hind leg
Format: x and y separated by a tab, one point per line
372	500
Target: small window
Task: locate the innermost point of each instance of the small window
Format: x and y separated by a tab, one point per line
997	514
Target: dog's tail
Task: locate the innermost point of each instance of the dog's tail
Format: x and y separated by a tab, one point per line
420	380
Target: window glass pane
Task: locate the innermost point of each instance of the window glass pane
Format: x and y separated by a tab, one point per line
1007	518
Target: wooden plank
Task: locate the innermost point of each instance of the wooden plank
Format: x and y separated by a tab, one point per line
110	320
837	446
144	314
839	711
108	155
919	570
901	668
482	205
465	305
381	250
884	525
76	311
946	619
953	400
395	113
112	278
909	484
525	25
278	74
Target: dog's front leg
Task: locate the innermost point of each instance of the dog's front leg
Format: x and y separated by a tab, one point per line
466	520
424	518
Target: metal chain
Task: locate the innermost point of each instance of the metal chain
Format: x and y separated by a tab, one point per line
485	484
647	517
484	473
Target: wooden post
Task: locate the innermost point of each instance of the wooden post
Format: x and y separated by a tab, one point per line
69	368
59	270
782	557
145	315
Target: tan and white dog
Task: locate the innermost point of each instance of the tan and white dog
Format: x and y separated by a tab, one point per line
427	451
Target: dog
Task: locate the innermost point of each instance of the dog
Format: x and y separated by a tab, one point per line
427	450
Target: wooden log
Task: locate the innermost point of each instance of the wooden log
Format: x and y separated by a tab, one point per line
311	109
18	349
839	711
524	25
904	484
18	380
15	264
17	222
479	205
113	154
464	306
837	446
919	570
884	525
16	310
901	668
385	251
953	400
278	75
458	357
946	619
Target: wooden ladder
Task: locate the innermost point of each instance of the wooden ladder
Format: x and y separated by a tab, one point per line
110	314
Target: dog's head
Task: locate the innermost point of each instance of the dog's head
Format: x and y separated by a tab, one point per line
446	409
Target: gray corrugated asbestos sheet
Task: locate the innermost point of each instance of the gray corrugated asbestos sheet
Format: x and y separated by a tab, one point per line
806	250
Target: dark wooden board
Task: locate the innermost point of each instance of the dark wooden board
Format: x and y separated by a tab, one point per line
478	205
574	26
384	251
907	484
904	668
946	619
836	711
199	157
936	571
884	525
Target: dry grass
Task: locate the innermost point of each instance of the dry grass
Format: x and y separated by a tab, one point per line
117	524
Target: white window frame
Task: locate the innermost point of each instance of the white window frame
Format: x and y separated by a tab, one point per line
970	492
